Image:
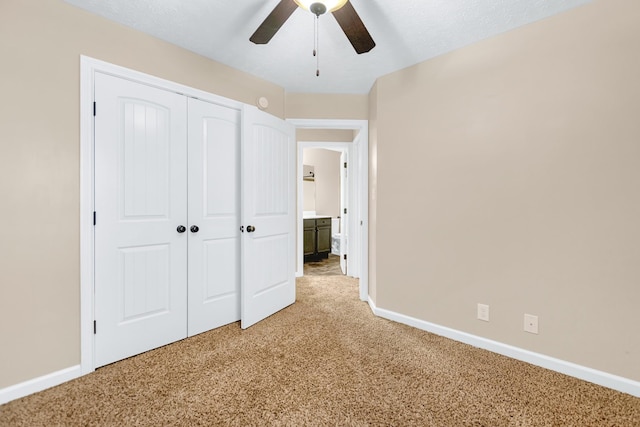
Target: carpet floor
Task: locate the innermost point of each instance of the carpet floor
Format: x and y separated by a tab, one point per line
325	360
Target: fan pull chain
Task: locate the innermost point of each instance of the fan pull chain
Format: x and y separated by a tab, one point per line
316	43
315	34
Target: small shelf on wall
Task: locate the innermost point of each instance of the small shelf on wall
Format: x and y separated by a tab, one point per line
308	173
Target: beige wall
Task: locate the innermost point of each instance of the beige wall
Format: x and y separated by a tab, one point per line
325	135
516	161
40	46
326	186
373	192
326	106
308	196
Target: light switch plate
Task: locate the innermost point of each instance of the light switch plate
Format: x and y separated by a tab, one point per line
483	312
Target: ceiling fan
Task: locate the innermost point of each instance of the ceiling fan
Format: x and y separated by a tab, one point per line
342	10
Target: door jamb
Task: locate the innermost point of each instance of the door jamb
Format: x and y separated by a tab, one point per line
360	158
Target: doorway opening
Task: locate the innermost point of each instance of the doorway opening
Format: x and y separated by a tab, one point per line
325	216
353	226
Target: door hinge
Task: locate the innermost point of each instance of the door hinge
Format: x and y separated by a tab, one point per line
94	327
345	256
345	211
345	165
94	108
94	217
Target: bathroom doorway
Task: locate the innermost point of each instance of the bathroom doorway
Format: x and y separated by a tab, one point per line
356	143
325	194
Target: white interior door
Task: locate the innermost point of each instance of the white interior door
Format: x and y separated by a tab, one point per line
214	216
344	212
140	201
268	242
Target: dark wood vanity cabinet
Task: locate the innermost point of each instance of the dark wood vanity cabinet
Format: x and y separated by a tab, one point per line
317	238
309	237
323	241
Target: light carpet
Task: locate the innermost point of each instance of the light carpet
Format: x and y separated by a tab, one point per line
326	360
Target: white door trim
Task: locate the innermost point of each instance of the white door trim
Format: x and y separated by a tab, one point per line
88	68
360	161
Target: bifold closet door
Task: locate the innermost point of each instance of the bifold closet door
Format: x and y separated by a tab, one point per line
140	203
214	216
171	260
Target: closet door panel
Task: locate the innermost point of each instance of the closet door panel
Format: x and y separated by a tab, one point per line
214	208
268	180
140	200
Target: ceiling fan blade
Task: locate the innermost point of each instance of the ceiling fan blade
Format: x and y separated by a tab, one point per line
354	29
273	22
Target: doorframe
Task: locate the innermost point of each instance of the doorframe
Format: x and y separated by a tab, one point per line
360	162
88	68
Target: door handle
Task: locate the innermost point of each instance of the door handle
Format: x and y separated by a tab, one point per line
250	229
195	228
181	229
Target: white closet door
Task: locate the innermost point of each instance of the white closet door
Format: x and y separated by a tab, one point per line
214	208
140	201
268	181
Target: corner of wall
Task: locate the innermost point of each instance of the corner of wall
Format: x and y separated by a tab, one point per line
373	189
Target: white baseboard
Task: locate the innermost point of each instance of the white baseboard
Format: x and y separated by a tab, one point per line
604	379
38	384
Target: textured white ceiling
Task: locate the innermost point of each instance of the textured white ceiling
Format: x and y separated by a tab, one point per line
406	32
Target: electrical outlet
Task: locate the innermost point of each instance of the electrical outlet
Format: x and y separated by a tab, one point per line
483	312
531	323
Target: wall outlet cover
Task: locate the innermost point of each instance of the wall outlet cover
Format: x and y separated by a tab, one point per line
531	323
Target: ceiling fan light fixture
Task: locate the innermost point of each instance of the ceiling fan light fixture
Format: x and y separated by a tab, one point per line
331	5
